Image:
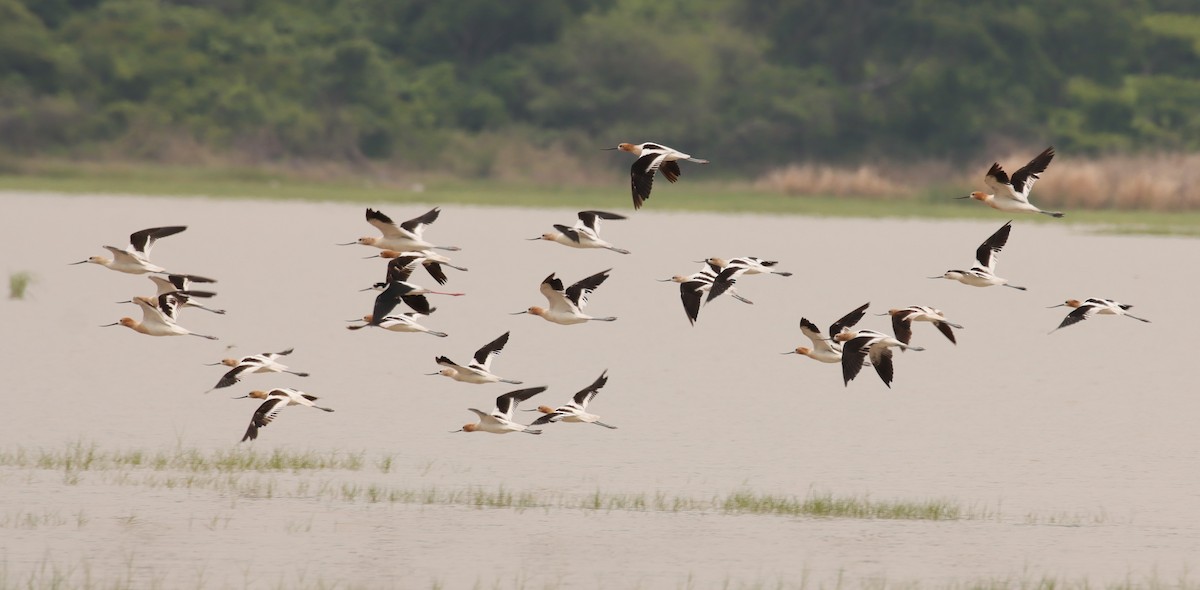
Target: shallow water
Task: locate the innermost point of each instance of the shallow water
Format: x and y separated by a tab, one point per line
1091	427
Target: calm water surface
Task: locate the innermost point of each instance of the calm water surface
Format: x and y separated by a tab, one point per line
1078	448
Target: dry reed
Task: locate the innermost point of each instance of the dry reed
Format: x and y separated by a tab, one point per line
1148	182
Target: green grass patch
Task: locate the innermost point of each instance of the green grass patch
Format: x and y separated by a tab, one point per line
236	183
18	283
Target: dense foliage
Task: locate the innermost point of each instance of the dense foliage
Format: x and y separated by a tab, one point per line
751	82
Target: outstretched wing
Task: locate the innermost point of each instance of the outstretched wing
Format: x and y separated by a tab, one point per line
143	240
578	293
848	320
400	269
416	225
232	376
506	403
591	219
1022	180
586	394
641	176
985	256
571	233
263	416
902	325
484	356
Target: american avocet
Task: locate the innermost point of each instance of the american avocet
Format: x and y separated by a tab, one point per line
750	265
693	287
170	302
176	282
412	296
254	363
585	233
405	322
858	345
154	321
479	371
1092	306
1012	194
566	305
652	157
500	421
406	237
432	261
576	409
135	258
902	320
402	265
827	350
276	401
983	273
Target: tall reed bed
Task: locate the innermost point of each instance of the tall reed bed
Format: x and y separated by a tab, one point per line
1148	182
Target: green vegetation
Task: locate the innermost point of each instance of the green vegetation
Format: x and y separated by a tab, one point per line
456	86
244	472
18	282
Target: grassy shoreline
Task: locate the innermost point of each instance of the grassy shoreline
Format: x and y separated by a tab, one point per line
256	183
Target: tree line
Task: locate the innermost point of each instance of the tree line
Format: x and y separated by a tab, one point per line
754	83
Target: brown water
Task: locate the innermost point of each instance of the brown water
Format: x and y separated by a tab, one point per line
1078	448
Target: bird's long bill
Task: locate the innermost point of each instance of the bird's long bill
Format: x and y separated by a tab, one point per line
348	244
212	364
238	397
519	312
789	352
886	313
453	431
534	239
935	277
664	280
432	374
74	263
126	301
1059	305
608	149
112	324
966	197
367	289
364	257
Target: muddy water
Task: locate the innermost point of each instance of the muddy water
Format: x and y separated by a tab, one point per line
1081	445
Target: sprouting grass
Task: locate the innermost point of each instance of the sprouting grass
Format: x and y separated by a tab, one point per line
713	196
18	283
826	505
243	472
80	456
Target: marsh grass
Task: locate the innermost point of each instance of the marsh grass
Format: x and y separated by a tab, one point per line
335	476
18	283
80	456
